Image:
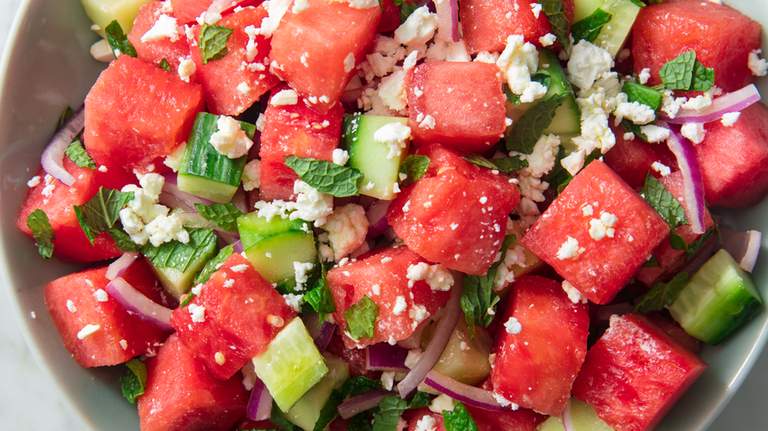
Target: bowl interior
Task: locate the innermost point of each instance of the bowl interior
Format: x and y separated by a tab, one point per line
47	66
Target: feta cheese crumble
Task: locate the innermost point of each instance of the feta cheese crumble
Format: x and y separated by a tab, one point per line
513	326
758	66
437	276
395	135
230	140
87	331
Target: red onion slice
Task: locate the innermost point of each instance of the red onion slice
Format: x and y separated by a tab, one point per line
436	347
567	419
361	403
139	305
447	20
470	395
744	247
377	218
385	357
52	158
683	150
730	102
237	246
260	402
119	266
321	334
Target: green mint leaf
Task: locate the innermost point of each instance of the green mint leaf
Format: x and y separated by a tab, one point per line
213	42
479	160
504	164
414	166
359	385
662	295
459	419
677	74
529	128
328	412
699	243
638	3
360	422
634	128
164	65
118	41
224	215
76	152
134	381
42	232
177	255
64	117
663	202
542	76
421	399
406	9
280	421
212	265
326	177
589	28
703	77
320	298
361	318
477	298
555	12
390	410
653	262
560	177
642	94
102	211
511	97
123	240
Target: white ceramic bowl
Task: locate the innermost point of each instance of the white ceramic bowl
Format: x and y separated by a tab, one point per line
47	66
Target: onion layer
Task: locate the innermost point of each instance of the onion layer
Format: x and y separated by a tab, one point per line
744	247
377	218
177	197
260	402
693	180
730	102
119	266
52	158
470	395
567	419
139	305
361	403
447	20
384	357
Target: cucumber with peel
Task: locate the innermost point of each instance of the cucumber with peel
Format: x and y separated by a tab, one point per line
613	35
583	418
103	12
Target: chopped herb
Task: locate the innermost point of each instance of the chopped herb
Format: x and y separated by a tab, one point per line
213	42
224	215
359	385
280	421
212	265
703	77
390	410
686	73
560	177
555	12
326	177
414	166
406	9
134	382
634	128
118	41
589	28
64	117
361	318
459	419
528	129
177	255
164	65
328	412
542	76
663	202
421	399
123	240
102	211
642	94
76	152
320	297
662	295
42	232
504	164
360	422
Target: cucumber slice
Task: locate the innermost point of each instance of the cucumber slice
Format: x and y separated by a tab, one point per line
206	173
306	411
291	365
178	282
718	299
613	35
103	12
583	417
370	156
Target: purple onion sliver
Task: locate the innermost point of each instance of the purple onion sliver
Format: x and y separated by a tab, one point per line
731	102
470	395
448	20
567	419
139	305
361	403
237	246
52	158
693	180
119	266
385	357
260	402
744	247
321	333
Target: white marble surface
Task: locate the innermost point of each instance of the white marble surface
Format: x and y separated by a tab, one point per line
29	403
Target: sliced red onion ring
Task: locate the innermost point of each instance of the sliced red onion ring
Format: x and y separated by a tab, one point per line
139	305
260	403
377	218
567	419
119	266
693	180
237	246
52	158
385	357
361	403
321	334
436	347
447	20
744	247
730	102
470	395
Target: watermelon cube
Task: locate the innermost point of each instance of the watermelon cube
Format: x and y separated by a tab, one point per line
518	420
633	158
233	319
635	373
457	104
182	395
186	11
541	346
154	51
597	233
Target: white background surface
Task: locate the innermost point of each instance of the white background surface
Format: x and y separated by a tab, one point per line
28	402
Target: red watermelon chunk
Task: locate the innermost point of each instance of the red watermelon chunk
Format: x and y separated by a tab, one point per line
316	50
541	346
182	395
598	268
457	104
734	160
136	114
456	214
187	11
354	357
402	308
488	24
73	304
390	16
233	319
233	83
721	36
425	419
635	373
518	420
154	51
294	130
633	158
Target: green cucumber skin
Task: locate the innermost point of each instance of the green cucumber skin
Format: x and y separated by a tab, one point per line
253	228
567	120
717	300
613	35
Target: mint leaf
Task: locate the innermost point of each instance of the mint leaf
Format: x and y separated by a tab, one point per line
163	64
122	240
662	295
421	399
64	117
118	41
134	381
42	232
663	202
555	12
213	42
212	265
320	298
642	94
414	166
390	410
504	164
677	74
542	76
224	215
102	211
703	77
280	421
634	128
328	412
529	128
406	9
326	177
76	152
359	385
177	255
589	28
459	419
361	318
360	422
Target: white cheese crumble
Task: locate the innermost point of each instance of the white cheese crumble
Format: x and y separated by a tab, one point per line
758	66
518	62
173	160
693	131
347	228
276	9
299	6
71	306
573	294
730	118
437	276
569	249
33	181
547	40
340	156
230	140
442	403
100	295
395	135
164	27
426	423
661	168
655	133
186	68
197	312
400	305
418	28
293	301
513	326
284	97
144	220
302	271
588	62
252	175
87	331
644	75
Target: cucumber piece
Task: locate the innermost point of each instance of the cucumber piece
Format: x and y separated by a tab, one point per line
583	417
290	365
613	35
370	156
103	12
206	173
273	246
719	298
178	282
306	411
